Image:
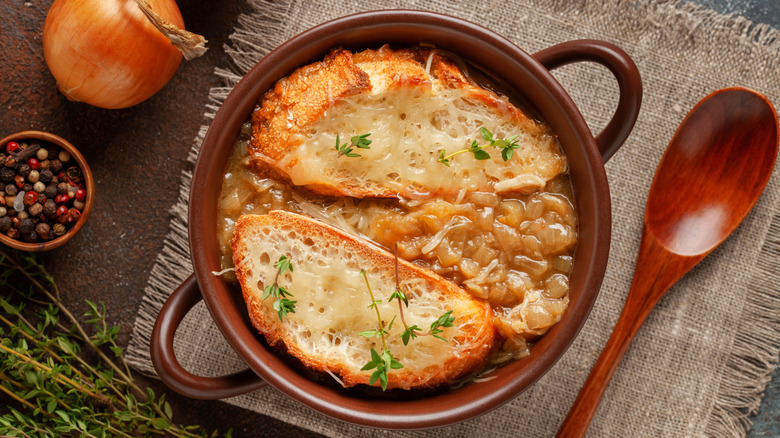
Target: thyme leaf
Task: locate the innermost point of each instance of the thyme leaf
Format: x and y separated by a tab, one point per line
357	141
282	304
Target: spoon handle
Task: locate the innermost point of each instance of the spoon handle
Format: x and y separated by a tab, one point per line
656	270
584	407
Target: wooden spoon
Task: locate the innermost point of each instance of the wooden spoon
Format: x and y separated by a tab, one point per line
709	178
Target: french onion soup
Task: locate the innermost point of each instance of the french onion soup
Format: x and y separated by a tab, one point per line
400	150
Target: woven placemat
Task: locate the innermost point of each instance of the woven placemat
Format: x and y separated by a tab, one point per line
700	363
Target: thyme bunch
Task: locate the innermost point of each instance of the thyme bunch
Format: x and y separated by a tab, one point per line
68	377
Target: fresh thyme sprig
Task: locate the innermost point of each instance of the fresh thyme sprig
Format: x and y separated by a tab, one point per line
67	379
413	331
282	304
384	361
507	146
357	141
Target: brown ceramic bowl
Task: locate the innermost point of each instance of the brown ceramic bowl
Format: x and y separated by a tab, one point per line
88	182
527	76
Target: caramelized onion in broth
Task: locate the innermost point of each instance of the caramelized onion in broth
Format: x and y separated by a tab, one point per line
514	250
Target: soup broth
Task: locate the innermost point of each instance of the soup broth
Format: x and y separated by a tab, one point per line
512	249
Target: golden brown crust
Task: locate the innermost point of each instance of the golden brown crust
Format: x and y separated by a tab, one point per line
300	98
480	340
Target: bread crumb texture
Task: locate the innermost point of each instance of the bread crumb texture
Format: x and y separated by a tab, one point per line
333	304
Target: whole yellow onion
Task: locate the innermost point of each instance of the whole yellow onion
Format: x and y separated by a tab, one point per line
108	53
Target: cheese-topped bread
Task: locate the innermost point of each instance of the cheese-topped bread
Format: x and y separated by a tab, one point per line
332	304
415	103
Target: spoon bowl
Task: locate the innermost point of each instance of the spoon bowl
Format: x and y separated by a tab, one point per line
712	173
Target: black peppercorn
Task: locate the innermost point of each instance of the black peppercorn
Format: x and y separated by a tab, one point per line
5	224
30	237
50	191
45	164
55	166
45	176
23	169
11	189
7	174
49	208
26	225
62	188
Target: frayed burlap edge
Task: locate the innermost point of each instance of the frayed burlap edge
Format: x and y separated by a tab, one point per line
753	356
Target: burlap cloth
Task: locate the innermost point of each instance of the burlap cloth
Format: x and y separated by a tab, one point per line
700	363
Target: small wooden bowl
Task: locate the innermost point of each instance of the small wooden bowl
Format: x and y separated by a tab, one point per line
88	181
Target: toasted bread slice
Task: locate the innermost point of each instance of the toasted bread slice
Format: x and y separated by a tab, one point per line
332	304
415	103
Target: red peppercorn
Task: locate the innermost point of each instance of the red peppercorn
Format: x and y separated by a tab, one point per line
12	146
74	215
19	181
30	198
34	164
81	194
61	210
61	199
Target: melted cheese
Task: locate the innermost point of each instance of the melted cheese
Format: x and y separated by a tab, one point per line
409	126
332	305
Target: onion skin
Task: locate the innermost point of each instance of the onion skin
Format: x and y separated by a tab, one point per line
106	52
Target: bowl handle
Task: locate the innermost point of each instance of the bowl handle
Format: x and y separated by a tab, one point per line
181	301
625	71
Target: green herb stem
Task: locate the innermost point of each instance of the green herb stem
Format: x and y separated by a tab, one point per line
55	298
19	399
48	368
447	157
376	309
58	358
55	376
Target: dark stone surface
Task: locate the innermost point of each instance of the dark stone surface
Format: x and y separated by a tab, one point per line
137	155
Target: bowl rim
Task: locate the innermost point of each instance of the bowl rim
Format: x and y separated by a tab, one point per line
410	414
88	182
